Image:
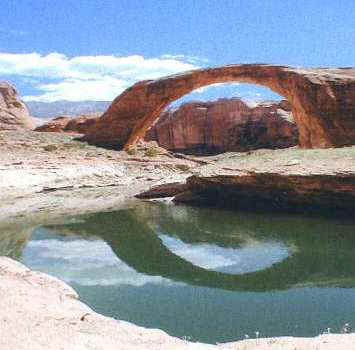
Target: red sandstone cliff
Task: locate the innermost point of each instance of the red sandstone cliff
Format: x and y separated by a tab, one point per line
225	125
14	114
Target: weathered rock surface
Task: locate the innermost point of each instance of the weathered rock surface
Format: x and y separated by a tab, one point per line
164	190
14	114
45	162
80	124
273	191
322	99
55	125
225	125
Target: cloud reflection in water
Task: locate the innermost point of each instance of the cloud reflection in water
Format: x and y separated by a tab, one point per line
92	262
84	262
255	256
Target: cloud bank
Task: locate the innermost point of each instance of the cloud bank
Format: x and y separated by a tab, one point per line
58	77
88	263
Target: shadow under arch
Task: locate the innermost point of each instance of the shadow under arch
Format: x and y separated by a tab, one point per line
138	245
322	102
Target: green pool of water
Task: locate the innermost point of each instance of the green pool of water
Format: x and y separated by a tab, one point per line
210	275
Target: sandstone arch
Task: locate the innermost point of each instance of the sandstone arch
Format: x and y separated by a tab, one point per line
322	99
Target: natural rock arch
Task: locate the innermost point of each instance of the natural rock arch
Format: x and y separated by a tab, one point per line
322	99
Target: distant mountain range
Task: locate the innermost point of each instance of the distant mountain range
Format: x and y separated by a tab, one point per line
49	110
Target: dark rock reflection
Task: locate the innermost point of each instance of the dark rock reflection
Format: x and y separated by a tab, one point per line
321	249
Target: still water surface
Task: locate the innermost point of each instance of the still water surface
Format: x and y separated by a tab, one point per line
209	274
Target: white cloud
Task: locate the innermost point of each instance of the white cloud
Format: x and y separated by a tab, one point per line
88	77
102	89
87	263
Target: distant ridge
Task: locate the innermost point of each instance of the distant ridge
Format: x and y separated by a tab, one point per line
48	110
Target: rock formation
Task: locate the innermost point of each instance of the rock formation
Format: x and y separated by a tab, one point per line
55	125
14	114
80	124
265	191
322	99
225	125
334	193
164	190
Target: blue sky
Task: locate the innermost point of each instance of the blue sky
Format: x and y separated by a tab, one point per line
93	49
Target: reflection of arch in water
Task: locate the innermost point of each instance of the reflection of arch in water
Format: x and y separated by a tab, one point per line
135	243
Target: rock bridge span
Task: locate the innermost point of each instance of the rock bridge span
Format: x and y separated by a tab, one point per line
322	99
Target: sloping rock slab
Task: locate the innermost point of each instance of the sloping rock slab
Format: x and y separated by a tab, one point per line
273	191
79	124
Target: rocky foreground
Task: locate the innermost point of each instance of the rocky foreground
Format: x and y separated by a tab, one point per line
290	180
33	162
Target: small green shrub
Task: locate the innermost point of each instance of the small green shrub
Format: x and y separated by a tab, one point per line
182	167
17	104
50	148
74	145
152	152
131	151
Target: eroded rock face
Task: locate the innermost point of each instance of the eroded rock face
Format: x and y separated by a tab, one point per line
322	99
164	190
225	125
80	124
14	114
55	125
326	193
